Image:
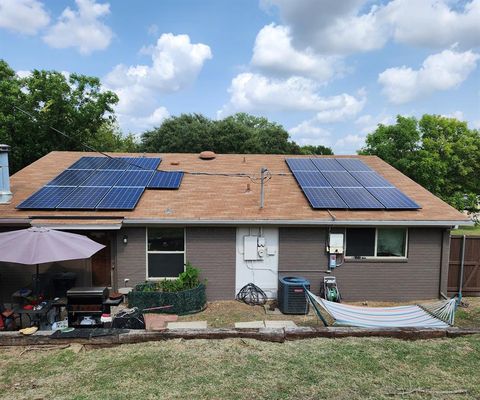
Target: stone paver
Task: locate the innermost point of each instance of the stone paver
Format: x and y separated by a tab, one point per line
187	325
250	325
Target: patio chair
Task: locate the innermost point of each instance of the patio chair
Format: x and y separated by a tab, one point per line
8	319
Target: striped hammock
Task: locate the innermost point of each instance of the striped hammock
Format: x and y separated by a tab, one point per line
438	315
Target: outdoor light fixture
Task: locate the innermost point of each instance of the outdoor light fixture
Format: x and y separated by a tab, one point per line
125	239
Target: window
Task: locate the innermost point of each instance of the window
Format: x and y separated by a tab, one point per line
376	242
165	252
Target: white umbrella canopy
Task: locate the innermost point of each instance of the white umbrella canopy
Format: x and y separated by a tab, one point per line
34	246
42	245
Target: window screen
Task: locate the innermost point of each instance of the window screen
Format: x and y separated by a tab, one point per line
391	242
360	242
165	265
165	239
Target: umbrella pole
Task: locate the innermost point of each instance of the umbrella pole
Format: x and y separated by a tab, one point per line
36	281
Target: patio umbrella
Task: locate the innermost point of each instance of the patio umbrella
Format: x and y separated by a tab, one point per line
34	246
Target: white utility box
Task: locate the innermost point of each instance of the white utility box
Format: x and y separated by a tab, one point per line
336	243
250	248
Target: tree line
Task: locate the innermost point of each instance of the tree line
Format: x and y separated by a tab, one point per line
440	153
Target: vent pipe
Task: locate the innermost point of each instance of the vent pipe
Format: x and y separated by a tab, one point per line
5	193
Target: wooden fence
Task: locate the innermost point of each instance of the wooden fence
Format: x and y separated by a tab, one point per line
471	269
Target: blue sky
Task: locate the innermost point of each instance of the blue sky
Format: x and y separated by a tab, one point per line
329	71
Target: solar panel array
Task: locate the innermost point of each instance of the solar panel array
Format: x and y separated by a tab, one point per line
346	183
103	183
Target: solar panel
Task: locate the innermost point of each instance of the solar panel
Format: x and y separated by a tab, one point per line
324	198
310	179
71	177
89	163
301	164
46	198
392	198
370	179
135	178
341	179
327	164
121	198
359	198
85	198
103	178
139	163
353	164
117	163
165	180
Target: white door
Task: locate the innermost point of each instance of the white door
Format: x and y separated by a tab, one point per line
257	259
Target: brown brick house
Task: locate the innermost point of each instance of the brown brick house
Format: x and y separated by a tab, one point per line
217	206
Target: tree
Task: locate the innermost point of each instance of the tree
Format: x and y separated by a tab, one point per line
75	105
442	154
239	133
316	150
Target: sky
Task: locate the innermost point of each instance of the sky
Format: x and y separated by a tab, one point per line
329	71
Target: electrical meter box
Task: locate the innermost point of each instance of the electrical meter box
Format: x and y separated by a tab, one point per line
250	248
336	243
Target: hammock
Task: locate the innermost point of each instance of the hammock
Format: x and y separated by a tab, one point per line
437	315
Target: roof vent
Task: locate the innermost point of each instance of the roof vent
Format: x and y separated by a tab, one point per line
207	155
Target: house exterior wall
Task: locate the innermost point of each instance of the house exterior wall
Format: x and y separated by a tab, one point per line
302	252
213	251
131	258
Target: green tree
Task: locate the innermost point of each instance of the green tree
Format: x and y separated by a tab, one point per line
76	105
316	150
239	133
442	154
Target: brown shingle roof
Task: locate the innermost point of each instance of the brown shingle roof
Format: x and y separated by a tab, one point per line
222	198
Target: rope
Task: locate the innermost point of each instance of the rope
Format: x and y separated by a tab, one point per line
252	295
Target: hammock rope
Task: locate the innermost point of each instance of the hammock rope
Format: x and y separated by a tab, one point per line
437	315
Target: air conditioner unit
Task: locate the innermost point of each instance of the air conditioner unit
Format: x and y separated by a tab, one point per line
291	295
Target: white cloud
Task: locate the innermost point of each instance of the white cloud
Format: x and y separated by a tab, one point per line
349	144
332	26
368	123
309	133
23	16
434	23
273	52
175	65
81	28
441	71
23	74
349	26
456	114
256	92
133	124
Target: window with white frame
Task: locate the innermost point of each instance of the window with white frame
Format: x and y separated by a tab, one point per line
376	242
165	252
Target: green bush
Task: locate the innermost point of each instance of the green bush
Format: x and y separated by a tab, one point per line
188	279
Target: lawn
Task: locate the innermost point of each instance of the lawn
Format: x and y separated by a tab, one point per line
353	368
467	230
224	314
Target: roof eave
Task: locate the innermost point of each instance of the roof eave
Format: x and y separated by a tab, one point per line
149	221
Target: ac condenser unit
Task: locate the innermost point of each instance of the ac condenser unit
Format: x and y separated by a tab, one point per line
291	295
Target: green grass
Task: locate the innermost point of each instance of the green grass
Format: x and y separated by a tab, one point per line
337	369
467	230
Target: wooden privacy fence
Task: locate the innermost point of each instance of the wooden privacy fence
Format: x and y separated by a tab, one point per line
471	269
